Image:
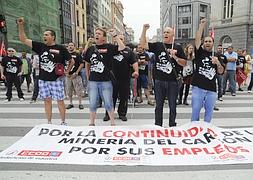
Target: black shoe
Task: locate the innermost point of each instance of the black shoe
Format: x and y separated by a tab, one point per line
7	100
81	106
70	106
123	118
186	103
240	89
216	108
106	118
173	124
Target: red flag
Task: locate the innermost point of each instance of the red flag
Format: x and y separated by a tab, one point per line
212	33
2	49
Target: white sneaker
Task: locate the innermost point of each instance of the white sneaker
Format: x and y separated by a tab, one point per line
220	99
21	99
7	100
249	91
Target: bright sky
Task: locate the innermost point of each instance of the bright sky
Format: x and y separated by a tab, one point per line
139	12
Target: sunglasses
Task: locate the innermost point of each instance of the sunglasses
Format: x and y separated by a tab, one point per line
10	51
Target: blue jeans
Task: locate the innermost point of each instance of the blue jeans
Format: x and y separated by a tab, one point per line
229	75
202	98
101	89
84	79
164	89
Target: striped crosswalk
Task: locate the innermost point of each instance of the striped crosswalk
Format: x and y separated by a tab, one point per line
18	117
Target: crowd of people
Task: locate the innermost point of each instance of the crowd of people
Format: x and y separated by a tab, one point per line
110	72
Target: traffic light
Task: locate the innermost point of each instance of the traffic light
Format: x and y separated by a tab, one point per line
2	24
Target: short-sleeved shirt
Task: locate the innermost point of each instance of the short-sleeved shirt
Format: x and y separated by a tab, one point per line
241	61
121	64
204	75
48	57
143	68
78	60
11	65
231	65
100	58
163	69
223	60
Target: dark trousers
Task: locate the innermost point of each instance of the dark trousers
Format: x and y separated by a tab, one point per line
251	82
28	79
121	91
220	85
167	89
10	80
36	87
186	93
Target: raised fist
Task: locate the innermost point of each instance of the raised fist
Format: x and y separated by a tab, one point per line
203	21
112	32
146	26
20	20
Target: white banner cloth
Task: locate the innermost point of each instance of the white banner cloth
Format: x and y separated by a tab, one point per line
196	143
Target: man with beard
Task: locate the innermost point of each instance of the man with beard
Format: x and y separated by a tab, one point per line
204	77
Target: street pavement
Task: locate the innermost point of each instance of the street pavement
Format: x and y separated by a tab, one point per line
17	118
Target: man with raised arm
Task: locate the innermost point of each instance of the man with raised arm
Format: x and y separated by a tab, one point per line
204	77
168	64
51	85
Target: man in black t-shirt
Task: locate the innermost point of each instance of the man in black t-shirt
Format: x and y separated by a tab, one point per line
142	82
51	55
223	61
204	77
11	72
74	80
98	65
121	66
170	57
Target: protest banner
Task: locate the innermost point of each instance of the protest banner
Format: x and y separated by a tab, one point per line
196	143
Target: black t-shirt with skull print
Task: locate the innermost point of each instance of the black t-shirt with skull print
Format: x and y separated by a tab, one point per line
100	59
48	57
121	64
11	65
204	75
162	66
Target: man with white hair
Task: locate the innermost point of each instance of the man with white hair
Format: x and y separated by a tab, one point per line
11	72
168	64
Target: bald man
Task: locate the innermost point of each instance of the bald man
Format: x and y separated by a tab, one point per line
169	60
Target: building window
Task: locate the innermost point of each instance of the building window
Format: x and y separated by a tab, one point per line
82	4
203	8
184	33
184	20
77	18
78	39
77	2
184	9
228	9
83	20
